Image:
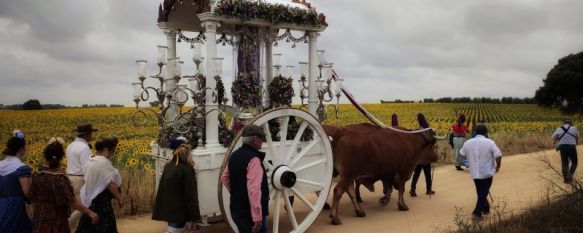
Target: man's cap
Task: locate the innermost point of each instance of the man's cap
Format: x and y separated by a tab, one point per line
84	129
567	121
253	130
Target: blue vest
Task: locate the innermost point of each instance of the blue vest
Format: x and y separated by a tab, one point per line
238	174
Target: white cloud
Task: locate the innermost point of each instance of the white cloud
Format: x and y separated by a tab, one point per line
76	52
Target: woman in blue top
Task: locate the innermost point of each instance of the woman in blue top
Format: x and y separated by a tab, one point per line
14	187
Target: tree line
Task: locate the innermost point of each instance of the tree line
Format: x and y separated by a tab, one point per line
488	100
34	104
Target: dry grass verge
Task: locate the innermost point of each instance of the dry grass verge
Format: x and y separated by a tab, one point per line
560	211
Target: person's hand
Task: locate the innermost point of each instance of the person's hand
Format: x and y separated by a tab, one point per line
256	227
94	217
120	203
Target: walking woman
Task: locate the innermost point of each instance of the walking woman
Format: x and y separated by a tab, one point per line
14	187
102	183
52	195
177	197
459	131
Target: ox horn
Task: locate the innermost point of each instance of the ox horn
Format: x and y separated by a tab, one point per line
440	137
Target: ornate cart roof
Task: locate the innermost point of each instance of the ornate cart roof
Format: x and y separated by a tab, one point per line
187	15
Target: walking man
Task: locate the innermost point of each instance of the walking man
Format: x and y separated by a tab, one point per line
246	180
566	138
426	168
484	160
78	153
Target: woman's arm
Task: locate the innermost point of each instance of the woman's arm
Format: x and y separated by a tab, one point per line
25	184
112	187
76	204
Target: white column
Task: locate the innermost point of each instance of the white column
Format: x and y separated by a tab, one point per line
268	66
313	74
212	123
169	82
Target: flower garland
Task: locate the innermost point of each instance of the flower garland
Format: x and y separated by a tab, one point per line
274	13
281	91
220	90
245	91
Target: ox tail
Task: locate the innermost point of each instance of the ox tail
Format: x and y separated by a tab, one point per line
357	105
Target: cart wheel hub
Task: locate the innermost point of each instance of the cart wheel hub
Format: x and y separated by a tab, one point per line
283	177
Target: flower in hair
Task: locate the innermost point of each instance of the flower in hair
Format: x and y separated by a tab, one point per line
18	134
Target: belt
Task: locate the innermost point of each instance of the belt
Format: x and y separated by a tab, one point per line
459	136
74	175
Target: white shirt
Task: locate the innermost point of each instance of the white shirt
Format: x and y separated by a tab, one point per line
570	138
481	153
78	152
100	172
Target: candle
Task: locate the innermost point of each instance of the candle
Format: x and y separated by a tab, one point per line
141	68
162	54
137	90
197	54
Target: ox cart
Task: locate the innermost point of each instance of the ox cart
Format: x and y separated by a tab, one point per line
299	156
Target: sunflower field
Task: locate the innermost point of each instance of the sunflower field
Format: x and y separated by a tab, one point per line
137	165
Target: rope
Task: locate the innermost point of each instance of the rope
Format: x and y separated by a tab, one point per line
410	132
432	172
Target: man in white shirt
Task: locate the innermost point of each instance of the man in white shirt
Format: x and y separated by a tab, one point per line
567	137
78	153
484	160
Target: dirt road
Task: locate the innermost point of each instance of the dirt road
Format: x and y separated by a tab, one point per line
516	186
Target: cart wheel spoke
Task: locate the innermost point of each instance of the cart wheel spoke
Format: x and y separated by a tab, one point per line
290	212
303	199
309	165
277	203
309	182
296	140
269	142
304	151
283	128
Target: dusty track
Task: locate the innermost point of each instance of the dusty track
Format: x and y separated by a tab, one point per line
516	186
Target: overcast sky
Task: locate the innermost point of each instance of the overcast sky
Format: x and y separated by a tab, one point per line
77	52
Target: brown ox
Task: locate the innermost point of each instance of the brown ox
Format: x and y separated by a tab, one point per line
335	133
384	154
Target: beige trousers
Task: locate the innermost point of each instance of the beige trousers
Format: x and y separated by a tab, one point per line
77	182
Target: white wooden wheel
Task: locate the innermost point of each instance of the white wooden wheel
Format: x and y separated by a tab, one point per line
298	168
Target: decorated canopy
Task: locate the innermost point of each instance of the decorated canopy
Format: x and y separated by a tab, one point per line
188	14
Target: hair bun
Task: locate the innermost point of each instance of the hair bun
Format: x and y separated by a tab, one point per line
57	140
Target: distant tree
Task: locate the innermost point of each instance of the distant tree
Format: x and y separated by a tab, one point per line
32	105
562	87
116	105
157	103
85	106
